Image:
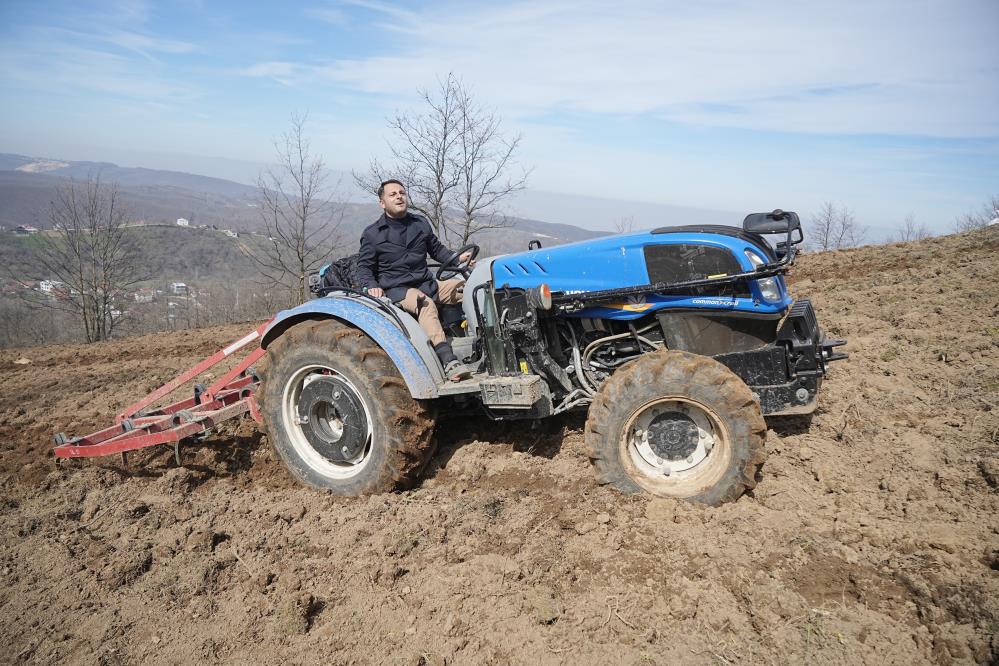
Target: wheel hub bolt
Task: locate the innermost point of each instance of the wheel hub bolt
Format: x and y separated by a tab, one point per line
708	446
639	432
301	420
344	450
690	459
336	394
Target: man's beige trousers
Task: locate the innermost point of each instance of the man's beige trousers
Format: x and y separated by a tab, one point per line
425	310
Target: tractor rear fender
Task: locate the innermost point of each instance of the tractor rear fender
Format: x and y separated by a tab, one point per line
410	351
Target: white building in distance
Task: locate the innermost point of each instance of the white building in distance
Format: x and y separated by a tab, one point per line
48	286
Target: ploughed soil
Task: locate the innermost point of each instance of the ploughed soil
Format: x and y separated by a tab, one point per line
872	537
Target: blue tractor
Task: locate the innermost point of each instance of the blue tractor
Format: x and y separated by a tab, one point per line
678	341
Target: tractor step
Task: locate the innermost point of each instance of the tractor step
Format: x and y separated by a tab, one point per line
470	385
140	426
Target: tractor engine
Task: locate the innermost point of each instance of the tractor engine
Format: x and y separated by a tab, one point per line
574	314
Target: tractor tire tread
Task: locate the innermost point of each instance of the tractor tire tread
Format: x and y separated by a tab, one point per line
408	422
677	373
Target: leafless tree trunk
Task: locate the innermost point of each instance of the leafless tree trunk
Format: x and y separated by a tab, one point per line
456	163
823	224
847	232
910	231
833	228
980	219
625	225
22	325
88	258
300	217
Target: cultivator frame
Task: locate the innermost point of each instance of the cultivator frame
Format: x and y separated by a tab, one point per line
138	426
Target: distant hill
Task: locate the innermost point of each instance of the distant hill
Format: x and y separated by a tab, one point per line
158	196
166	253
126	176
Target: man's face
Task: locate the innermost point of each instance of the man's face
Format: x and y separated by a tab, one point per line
393	200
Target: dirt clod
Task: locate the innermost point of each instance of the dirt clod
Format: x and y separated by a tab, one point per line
545	607
293	615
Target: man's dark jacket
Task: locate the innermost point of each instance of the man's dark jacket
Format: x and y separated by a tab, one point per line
393	256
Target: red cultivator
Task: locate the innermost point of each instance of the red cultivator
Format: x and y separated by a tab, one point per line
137	427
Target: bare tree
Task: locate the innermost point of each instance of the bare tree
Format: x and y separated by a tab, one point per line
625	224
910	231
455	161
301	219
833	228
21	324
980	219
88	261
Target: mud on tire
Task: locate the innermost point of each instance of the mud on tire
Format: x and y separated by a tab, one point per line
679	425
372	437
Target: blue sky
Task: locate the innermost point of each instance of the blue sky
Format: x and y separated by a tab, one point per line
890	108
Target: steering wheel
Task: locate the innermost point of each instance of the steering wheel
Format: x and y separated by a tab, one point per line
453	266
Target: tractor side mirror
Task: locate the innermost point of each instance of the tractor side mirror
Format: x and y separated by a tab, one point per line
776	222
534	244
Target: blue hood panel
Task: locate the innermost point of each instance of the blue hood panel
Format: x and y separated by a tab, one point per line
619	261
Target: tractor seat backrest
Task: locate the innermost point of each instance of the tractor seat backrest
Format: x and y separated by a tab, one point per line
341	273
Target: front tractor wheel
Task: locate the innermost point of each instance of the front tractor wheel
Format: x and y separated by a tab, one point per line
678	425
339	414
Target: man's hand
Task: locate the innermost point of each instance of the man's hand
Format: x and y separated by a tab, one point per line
377	292
467	258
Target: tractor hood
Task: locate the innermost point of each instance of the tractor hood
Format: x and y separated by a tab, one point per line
669	254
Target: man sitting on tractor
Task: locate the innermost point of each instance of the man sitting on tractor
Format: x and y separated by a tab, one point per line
392	262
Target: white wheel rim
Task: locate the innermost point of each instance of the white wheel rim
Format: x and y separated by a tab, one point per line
289	416
699	468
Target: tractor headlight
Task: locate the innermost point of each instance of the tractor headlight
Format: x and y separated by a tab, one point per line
768	286
540	297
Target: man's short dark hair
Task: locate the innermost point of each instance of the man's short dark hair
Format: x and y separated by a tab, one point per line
381	188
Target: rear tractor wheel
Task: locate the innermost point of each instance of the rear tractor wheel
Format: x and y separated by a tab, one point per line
339	414
678	425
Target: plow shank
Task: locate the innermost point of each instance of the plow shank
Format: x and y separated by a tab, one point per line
138	426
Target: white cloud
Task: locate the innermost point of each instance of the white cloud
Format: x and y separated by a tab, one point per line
925	68
145	44
47	61
284	73
403	16
328	15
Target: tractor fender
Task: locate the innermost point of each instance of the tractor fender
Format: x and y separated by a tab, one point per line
405	350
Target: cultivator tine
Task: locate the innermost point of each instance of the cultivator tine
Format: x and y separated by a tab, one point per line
231	397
